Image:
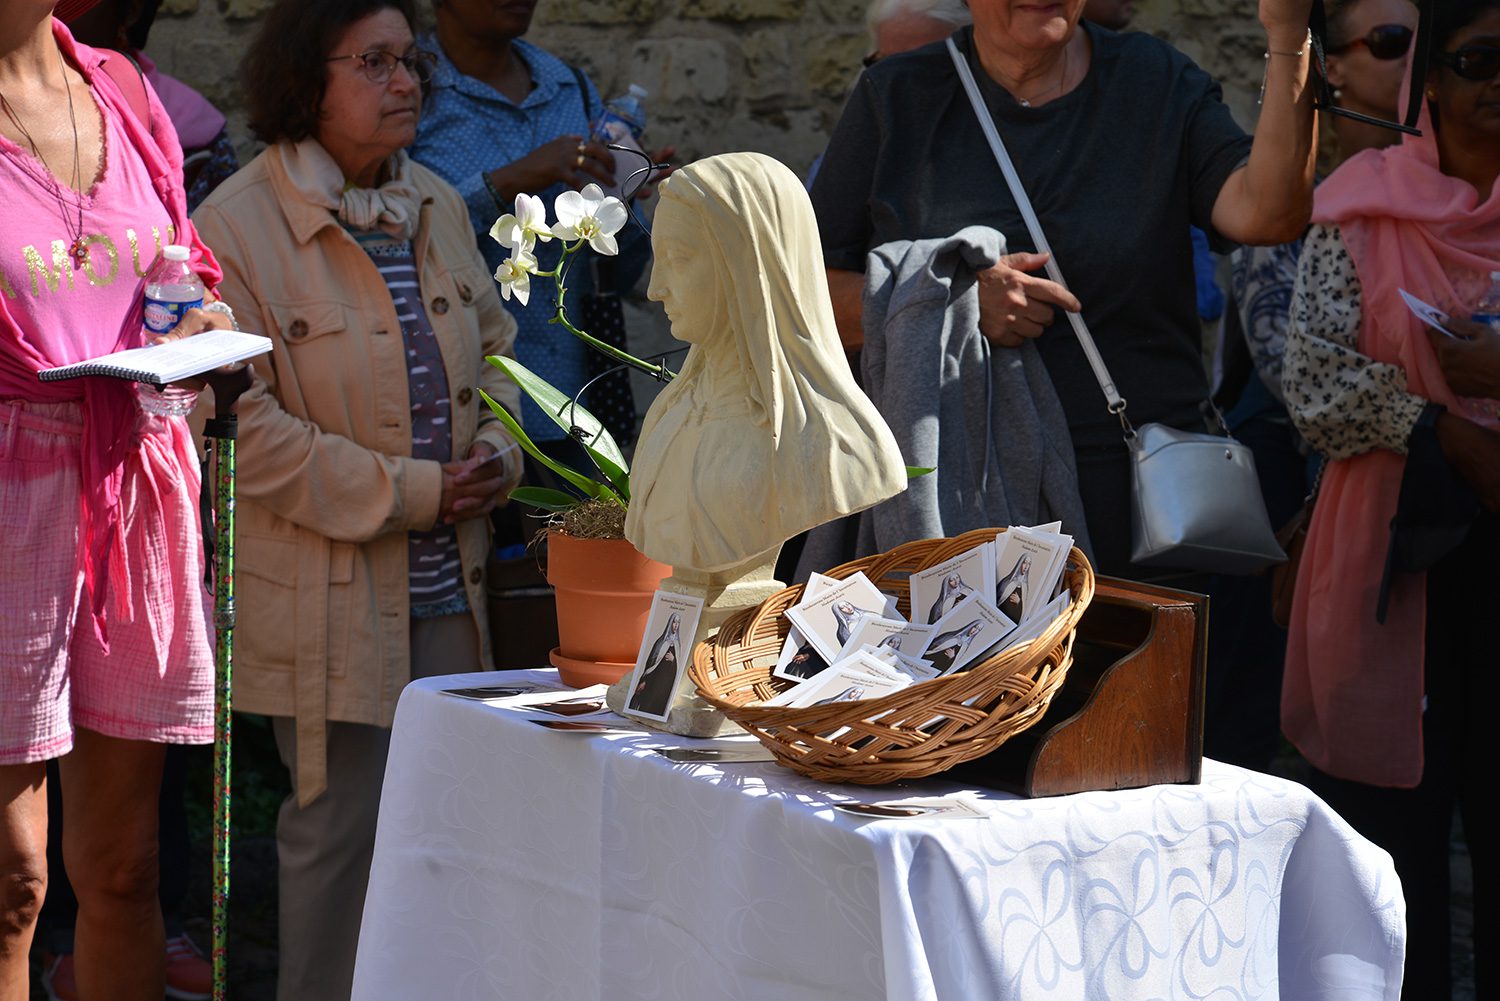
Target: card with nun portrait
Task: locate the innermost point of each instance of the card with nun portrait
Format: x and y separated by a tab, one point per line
799	659
827	620
665	649
939	589
1038	623
1028	563
965	634
894	634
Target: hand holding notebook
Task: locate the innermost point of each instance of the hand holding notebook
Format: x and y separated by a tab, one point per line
160	364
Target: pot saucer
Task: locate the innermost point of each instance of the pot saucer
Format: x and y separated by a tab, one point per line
583	673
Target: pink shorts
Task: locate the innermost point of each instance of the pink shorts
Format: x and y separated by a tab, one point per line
156	681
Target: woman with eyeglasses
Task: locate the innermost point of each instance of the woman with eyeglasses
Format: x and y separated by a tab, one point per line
1369	41
368	462
1390	662
1368	45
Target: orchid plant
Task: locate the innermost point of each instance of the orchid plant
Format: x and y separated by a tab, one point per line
587	218
584	219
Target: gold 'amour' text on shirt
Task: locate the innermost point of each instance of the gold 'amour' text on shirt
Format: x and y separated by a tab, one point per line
52	271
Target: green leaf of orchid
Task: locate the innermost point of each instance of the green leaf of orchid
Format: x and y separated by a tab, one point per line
912	472
564	414
544	497
618	478
590	487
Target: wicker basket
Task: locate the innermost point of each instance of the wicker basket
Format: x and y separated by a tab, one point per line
895	737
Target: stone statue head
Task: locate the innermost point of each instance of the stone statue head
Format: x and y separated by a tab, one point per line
764	433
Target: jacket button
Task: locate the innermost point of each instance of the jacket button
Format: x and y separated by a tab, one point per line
297	330
465	395
440	305
465	294
475	575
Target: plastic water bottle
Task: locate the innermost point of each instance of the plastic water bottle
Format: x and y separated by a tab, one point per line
1487	309
172	288
621	122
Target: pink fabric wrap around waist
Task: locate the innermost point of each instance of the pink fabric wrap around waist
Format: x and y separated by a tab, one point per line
160	460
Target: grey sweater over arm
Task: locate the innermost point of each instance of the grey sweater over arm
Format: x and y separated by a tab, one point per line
988	420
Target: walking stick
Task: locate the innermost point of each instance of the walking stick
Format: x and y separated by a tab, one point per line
219	433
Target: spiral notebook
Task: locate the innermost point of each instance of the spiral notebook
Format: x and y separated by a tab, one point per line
160	364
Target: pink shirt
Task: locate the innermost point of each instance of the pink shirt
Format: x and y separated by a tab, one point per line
109	411
67	314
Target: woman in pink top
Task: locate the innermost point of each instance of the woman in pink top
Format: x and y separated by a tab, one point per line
105	641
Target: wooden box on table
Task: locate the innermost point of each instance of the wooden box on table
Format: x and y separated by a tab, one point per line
1131	710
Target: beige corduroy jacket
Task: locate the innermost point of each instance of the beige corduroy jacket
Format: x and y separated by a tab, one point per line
326	486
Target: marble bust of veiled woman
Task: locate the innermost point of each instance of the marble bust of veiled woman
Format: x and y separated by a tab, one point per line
764	433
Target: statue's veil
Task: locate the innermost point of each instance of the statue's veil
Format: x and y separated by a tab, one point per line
828	452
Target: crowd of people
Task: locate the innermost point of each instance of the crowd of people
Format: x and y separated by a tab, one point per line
371	471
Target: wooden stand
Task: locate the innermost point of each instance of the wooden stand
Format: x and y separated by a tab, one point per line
1131	710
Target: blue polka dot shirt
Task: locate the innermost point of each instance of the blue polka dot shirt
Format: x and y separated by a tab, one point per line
468	129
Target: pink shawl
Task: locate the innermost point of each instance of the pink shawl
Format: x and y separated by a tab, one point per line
1352	698
109	404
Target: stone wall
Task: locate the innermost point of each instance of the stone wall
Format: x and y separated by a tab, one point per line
767	75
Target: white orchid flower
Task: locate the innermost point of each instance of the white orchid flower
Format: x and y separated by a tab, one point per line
514	275
523	228
590	215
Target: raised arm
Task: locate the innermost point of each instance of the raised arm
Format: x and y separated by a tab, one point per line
1268	200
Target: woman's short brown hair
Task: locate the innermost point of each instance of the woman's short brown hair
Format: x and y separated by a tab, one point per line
285	70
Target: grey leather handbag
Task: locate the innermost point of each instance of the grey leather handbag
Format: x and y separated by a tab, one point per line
1196	501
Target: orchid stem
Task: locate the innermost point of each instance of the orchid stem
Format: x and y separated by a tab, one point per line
658	372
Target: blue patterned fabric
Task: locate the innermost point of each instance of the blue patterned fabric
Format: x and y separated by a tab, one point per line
434	573
468	128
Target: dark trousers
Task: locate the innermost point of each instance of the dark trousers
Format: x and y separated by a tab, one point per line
60	910
1246	648
1414	825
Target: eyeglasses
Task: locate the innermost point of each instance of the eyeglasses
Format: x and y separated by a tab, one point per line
1472	62
1385	41
379	66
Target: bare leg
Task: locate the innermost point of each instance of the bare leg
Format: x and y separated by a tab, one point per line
23	870
110	791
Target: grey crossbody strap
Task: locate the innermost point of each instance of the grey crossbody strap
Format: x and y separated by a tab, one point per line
1090	350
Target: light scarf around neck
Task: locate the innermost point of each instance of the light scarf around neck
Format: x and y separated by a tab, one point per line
1353	688
393	207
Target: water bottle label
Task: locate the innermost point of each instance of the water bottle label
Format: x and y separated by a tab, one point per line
611	128
160	317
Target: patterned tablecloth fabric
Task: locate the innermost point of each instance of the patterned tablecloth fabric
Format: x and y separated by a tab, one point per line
514	862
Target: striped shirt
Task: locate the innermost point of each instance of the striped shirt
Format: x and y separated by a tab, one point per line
435	576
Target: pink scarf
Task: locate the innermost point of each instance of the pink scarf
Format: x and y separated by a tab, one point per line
1352	698
109	407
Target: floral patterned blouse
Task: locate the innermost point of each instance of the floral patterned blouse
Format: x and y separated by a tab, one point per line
1343	403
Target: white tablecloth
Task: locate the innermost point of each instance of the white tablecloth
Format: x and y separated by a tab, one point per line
519	863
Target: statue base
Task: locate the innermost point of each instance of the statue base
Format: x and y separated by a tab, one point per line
724	592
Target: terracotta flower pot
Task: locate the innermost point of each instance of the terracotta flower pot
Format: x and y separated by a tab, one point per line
604	590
